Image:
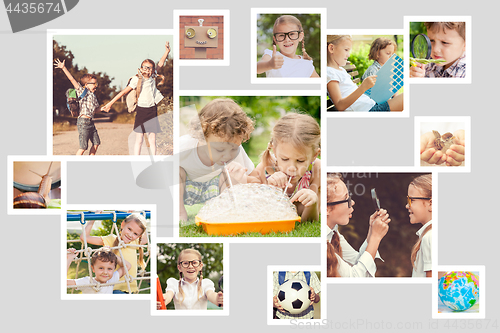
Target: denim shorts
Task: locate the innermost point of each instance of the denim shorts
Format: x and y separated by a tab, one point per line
384	107
86	132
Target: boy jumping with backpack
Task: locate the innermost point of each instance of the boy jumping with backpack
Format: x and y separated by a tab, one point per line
88	106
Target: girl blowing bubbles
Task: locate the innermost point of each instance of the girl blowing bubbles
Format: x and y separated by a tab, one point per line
294	166
287	34
191	292
132	233
344	93
419	205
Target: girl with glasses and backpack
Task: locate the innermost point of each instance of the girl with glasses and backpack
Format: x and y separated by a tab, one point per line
342	259
287	34
143	85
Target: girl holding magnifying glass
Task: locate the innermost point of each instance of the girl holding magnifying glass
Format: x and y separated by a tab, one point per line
342	259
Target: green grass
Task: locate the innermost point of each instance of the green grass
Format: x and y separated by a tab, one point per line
302	229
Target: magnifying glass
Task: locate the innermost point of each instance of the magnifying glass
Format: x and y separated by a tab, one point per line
376	201
421	47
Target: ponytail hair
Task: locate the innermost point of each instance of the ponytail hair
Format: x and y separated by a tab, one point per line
424	184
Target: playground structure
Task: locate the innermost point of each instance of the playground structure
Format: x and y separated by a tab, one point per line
85	253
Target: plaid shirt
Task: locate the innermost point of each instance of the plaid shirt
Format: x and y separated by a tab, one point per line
314	283
88	104
457	69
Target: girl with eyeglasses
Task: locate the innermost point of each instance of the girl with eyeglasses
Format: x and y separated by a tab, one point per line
146	118
342	259
419	205
287	34
191	292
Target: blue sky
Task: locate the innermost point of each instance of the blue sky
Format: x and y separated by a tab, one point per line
119	56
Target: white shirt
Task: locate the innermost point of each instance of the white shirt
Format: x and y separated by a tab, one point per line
194	167
149	95
291	67
82	282
423	262
191	300
353	263
347	87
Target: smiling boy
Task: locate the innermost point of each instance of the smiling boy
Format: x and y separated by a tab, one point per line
448	43
103	264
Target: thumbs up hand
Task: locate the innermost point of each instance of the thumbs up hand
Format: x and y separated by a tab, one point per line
277	60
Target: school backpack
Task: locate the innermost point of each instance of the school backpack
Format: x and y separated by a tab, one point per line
73	101
133	95
281	277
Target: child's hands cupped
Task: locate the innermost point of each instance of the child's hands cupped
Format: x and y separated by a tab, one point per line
277	60
456	154
278	179
428	153
418	70
306	197
369	82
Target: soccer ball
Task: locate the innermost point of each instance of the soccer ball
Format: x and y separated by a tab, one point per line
294	296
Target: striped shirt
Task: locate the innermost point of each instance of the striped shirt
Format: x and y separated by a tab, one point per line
457	69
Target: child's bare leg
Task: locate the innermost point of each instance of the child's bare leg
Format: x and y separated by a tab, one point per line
138	143
80	151
182	186
152	142
93	149
396	103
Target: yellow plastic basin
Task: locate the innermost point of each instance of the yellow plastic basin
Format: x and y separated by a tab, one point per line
234	228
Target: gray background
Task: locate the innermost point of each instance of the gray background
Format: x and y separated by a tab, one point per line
31	245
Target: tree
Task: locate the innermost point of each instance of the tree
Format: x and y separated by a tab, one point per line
61	82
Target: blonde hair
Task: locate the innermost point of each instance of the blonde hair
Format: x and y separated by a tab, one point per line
301	130
424	184
141	222
380	44
224	118
335	40
179	259
290	19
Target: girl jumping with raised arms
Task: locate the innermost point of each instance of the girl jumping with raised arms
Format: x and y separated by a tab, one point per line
146	118
291	162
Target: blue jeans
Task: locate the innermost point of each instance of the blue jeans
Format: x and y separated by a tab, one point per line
384	107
